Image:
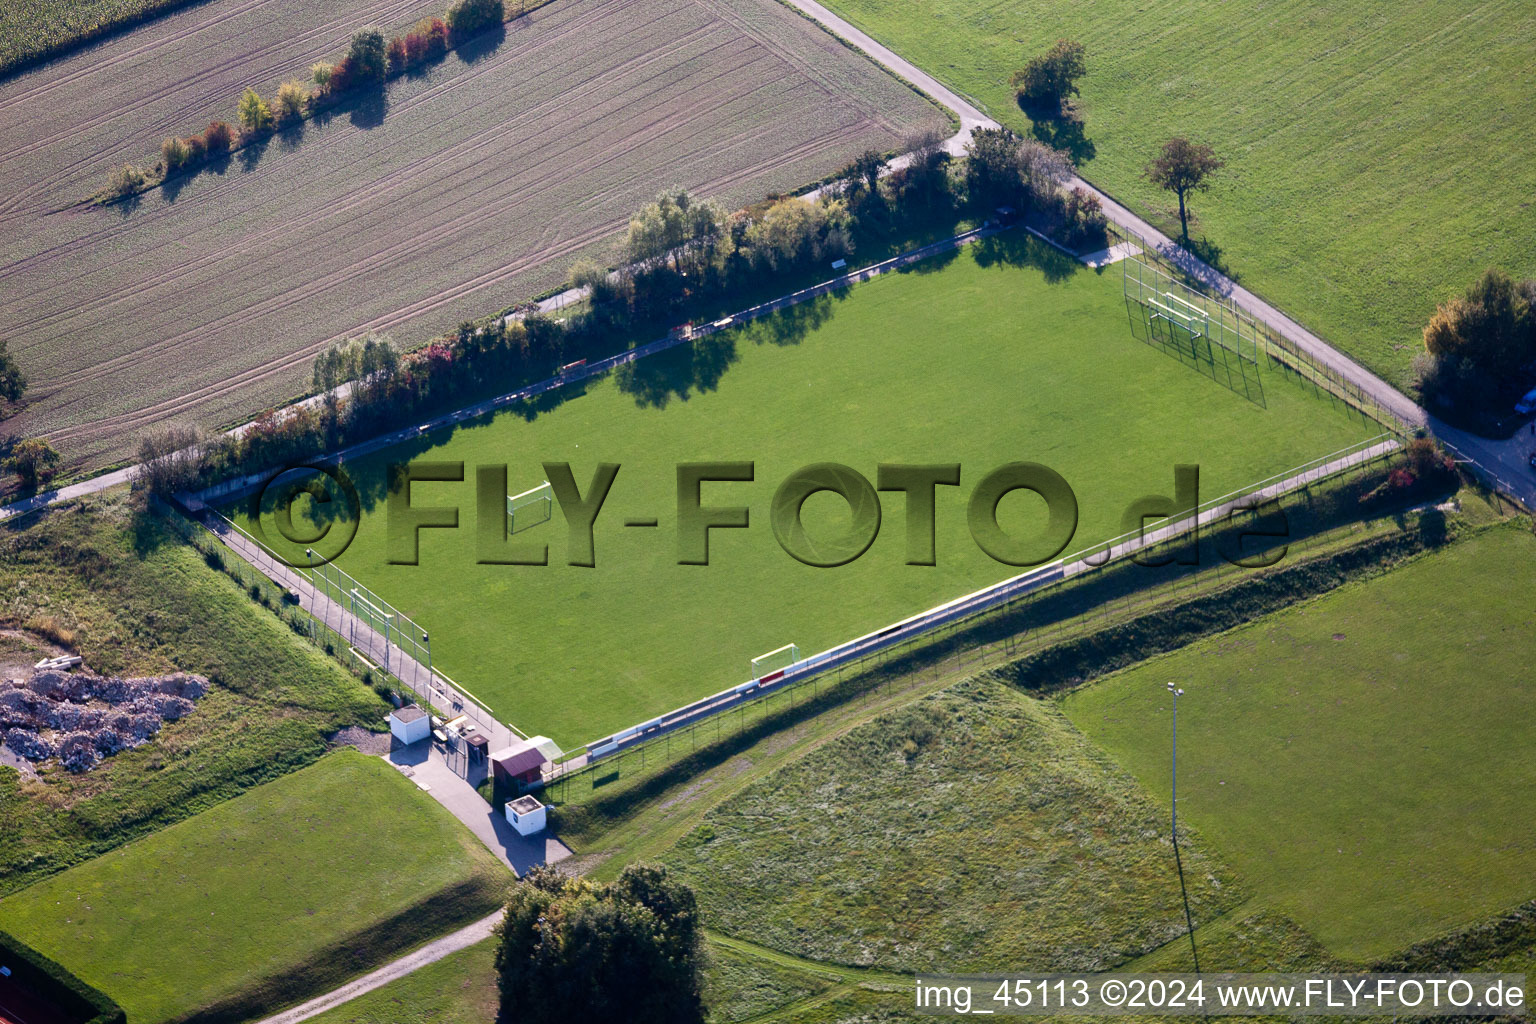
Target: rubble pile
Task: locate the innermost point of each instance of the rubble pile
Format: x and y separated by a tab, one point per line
80	717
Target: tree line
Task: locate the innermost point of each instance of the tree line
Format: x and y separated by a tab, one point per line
369	62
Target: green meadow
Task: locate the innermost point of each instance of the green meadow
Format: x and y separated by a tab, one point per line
1377	155
1362	760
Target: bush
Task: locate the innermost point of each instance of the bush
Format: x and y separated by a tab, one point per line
366	60
218	137
320	74
468	17
397	56
288	106
255	115
33	460
126	180
175	154
427	41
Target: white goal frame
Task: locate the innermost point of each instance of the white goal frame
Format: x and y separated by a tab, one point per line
775	660
540	500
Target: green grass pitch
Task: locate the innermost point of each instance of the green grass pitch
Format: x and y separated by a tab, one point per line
1006	353
1364	759
1377	154
257	886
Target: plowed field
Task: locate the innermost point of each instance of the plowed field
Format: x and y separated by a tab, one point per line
468	187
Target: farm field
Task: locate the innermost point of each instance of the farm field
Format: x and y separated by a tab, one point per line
30	29
1375	153
228	906
986	360
969	831
1361	760
463	190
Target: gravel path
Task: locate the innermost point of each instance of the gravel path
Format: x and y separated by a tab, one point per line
430	953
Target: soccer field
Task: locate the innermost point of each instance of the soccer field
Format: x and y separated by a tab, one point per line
1005	353
1365	760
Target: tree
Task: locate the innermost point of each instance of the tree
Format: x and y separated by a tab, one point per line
13	384
366	60
926	176
1002	168
1181	168
33	460
860	180
169	461
1050	78
321	74
255	115
1492	327
467	17
289	104
575	950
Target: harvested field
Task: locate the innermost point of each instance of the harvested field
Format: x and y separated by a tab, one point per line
465	189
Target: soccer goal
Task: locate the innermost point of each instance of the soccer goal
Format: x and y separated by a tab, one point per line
774	662
534	506
1169	307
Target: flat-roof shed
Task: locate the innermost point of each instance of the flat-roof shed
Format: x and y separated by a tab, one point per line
409	725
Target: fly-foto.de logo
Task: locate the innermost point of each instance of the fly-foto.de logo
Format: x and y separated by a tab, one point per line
1157	529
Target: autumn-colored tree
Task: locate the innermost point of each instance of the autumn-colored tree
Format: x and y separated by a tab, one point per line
255	115
1183	167
33	460
217	138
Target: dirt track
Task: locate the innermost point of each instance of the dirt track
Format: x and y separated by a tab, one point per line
477	184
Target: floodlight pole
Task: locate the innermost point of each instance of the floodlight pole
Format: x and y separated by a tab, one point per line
1189	921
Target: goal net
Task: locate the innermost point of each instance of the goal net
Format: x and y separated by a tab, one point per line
1173	312
775	661
532	507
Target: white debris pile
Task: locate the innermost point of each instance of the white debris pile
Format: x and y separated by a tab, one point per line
80	717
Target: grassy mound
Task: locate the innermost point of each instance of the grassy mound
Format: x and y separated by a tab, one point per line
974	830
133	600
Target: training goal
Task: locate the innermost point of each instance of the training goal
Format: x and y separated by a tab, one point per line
532	507
774	662
1174	313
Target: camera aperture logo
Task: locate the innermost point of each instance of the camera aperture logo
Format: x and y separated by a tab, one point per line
314	512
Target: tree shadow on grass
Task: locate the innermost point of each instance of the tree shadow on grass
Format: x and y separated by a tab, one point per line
790	325
678	373
1017	248
1064	132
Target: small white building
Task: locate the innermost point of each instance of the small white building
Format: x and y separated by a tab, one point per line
409	725
526	815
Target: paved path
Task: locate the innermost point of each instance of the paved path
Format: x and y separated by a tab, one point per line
430	953
427	766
